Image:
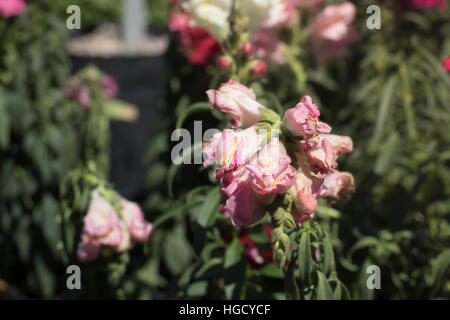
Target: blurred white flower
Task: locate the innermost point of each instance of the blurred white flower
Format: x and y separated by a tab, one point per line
211	15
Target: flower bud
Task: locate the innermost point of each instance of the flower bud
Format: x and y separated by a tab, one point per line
246	48
259	68
224	62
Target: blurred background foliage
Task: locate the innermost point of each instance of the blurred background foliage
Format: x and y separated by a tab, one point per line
391	96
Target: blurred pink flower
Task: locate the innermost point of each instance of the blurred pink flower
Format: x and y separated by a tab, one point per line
441	4
332	31
224	62
101	218
337	185
109	86
133	217
11	8
88	249
195	42
259	68
302	120
238	101
267	45
446	63
270	171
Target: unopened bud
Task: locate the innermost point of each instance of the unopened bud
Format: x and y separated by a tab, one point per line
279	258
259	68
246	48
224	62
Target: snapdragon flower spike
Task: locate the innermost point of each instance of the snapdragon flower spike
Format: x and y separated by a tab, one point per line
238	102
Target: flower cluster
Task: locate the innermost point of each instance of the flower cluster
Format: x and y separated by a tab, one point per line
264	157
201	27
79	91
11	8
109	230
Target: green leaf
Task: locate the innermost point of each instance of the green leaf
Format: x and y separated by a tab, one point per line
329	264
386	158
304	256
387	101
439	266
324	291
4	121
197	289
209	209
234	269
177	251
271	271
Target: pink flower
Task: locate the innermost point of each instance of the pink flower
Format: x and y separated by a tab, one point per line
320	154
271	171
11	8
246	48
101	218
341	144
304	200
337	185
109	86
441	4
332	32
88	249
446	63
259	68
138	227
268	45
231	149
243	205
238	101
303	119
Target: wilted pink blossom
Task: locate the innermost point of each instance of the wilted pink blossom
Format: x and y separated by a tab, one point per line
270	171
133	217
341	144
332	31
337	185
238	101
303	119
320	154
11	8
304	199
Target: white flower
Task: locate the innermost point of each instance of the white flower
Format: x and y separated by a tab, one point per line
262	11
212	15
